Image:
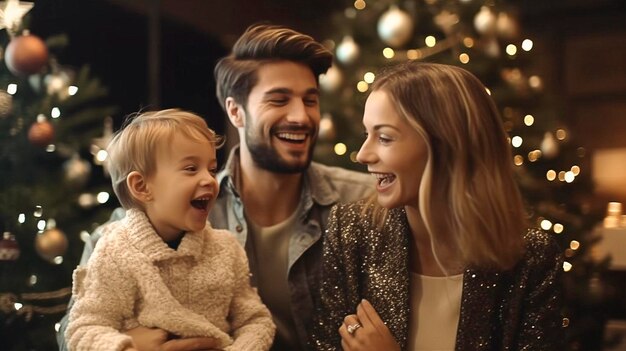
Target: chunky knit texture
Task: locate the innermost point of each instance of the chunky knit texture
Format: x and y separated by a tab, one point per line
200	289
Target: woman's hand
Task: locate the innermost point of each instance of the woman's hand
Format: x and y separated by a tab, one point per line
368	331
150	339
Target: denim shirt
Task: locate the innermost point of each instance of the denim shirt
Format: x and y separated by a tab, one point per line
323	187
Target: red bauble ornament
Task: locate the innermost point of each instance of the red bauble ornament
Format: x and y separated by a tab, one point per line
41	133
26	54
9	249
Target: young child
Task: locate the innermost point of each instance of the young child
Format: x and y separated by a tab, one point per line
163	266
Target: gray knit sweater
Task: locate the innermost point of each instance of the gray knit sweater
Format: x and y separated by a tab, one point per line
134	278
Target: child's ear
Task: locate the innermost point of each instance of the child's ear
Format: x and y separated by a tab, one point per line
236	112
138	187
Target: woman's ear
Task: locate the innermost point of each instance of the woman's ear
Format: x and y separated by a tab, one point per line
138	187
236	112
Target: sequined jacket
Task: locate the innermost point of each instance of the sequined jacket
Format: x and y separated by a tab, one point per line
511	310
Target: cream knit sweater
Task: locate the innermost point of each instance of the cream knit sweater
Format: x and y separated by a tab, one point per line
133	278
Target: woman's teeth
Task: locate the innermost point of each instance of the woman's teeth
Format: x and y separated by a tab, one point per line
384	178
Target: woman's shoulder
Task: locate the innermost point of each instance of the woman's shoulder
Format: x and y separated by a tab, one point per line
537	239
541	247
365	218
354	206
358	213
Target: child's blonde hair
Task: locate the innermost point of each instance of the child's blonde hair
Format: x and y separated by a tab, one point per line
134	146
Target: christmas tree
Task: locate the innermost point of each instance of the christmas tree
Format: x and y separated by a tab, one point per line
53	188
486	38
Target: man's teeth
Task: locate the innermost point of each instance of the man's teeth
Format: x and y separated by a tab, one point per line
292	136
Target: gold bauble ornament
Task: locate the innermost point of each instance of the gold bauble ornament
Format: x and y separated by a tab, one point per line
507	26
51	243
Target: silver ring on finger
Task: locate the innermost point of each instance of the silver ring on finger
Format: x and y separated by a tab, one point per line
353	327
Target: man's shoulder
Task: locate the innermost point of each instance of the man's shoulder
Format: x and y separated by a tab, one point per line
349	185
342	177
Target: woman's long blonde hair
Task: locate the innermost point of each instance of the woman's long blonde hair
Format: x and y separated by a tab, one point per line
469	201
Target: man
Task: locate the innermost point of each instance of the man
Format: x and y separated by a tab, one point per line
272	197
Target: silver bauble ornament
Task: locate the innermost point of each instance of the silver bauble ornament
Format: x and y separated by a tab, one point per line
77	171
331	80
327	130
549	146
485	21
348	50
36	82
395	27
492	47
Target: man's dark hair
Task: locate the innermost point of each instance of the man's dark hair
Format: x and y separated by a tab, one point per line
236	74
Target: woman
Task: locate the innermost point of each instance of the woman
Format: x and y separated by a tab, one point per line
444	260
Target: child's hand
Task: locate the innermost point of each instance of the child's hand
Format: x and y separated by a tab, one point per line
151	339
190	344
147	339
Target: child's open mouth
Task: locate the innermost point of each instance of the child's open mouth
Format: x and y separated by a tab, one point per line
201	203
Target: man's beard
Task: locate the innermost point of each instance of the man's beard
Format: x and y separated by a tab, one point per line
266	157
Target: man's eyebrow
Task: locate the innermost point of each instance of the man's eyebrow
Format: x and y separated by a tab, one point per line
312	91
279	91
287	91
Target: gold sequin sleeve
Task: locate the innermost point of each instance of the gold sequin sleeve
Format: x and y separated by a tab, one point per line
518	309
541	320
362	261
334	298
